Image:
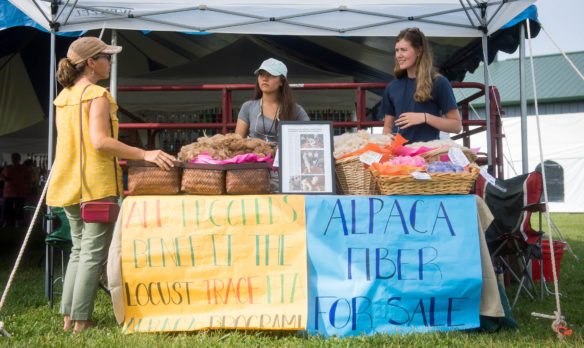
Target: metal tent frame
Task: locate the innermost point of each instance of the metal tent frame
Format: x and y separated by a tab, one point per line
461	18
473	18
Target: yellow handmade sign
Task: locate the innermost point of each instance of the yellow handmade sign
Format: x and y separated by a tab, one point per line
196	262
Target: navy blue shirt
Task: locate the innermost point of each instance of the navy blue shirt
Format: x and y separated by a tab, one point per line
398	98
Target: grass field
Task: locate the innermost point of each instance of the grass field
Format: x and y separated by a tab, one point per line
30	321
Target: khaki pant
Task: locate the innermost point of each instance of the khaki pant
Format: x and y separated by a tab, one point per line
88	254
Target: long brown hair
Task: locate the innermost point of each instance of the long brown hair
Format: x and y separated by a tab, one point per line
425	72
285	99
67	73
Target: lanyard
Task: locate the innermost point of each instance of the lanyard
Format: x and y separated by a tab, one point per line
274	122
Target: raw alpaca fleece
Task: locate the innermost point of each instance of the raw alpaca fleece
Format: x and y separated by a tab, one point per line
222	147
349	142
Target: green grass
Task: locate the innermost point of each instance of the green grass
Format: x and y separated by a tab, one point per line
30	321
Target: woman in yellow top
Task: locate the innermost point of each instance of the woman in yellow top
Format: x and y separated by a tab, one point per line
88	61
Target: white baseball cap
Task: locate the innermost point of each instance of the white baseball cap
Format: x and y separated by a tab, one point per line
274	67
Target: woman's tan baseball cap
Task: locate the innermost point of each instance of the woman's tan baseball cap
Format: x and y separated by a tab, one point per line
87	47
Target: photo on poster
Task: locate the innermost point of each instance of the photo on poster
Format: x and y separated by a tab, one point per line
306	161
313	141
312	161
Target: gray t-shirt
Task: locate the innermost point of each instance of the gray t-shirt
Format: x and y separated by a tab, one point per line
262	127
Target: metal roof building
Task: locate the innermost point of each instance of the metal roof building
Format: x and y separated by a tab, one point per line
559	88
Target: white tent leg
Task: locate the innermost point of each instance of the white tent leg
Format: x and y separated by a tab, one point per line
523	101
114	72
50	151
50	158
487	105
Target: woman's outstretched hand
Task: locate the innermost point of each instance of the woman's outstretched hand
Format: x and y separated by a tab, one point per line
160	158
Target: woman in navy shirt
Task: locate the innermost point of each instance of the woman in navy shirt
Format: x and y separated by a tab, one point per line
419	97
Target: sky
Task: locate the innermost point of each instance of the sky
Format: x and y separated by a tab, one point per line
564	21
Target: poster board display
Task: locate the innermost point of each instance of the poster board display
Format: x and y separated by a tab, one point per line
198	262
392	264
330	265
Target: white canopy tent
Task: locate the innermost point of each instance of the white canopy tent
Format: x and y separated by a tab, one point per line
447	18
279	17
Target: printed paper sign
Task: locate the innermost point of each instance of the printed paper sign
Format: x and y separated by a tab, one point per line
370	157
490	179
421	176
457	157
196	262
276	162
392	264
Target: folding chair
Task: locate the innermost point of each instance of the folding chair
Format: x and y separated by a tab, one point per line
58	240
512	203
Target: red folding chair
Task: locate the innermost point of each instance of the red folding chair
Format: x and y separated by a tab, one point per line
511	236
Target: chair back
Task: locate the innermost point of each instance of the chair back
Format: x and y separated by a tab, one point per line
512	201
61	234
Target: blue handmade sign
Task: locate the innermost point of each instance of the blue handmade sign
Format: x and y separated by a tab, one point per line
391	264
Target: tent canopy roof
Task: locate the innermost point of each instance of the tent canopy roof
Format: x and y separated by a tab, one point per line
445	18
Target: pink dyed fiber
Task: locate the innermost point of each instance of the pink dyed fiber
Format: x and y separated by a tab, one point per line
245	158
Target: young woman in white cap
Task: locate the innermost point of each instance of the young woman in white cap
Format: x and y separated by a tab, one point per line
88	61
272	102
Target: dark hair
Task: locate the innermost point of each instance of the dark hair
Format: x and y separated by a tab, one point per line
15	157
285	98
67	73
425	73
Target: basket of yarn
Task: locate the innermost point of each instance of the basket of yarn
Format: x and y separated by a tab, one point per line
443	178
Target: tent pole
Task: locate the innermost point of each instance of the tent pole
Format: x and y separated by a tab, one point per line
50	156
50	152
114	72
487	104
524	154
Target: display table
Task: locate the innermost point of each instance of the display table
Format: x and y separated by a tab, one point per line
336	265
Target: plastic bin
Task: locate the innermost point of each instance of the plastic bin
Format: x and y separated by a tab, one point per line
559	249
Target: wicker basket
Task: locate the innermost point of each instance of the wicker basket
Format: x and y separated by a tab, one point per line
434	155
204	179
145	178
353	178
440	184
247	178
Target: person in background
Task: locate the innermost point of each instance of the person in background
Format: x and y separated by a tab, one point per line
35	178
272	102
16	179
88	61
414	103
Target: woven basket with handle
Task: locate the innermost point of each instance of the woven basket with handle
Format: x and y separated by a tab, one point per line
434	155
353	178
439	184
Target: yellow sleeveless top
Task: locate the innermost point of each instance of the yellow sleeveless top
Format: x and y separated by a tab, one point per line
98	167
